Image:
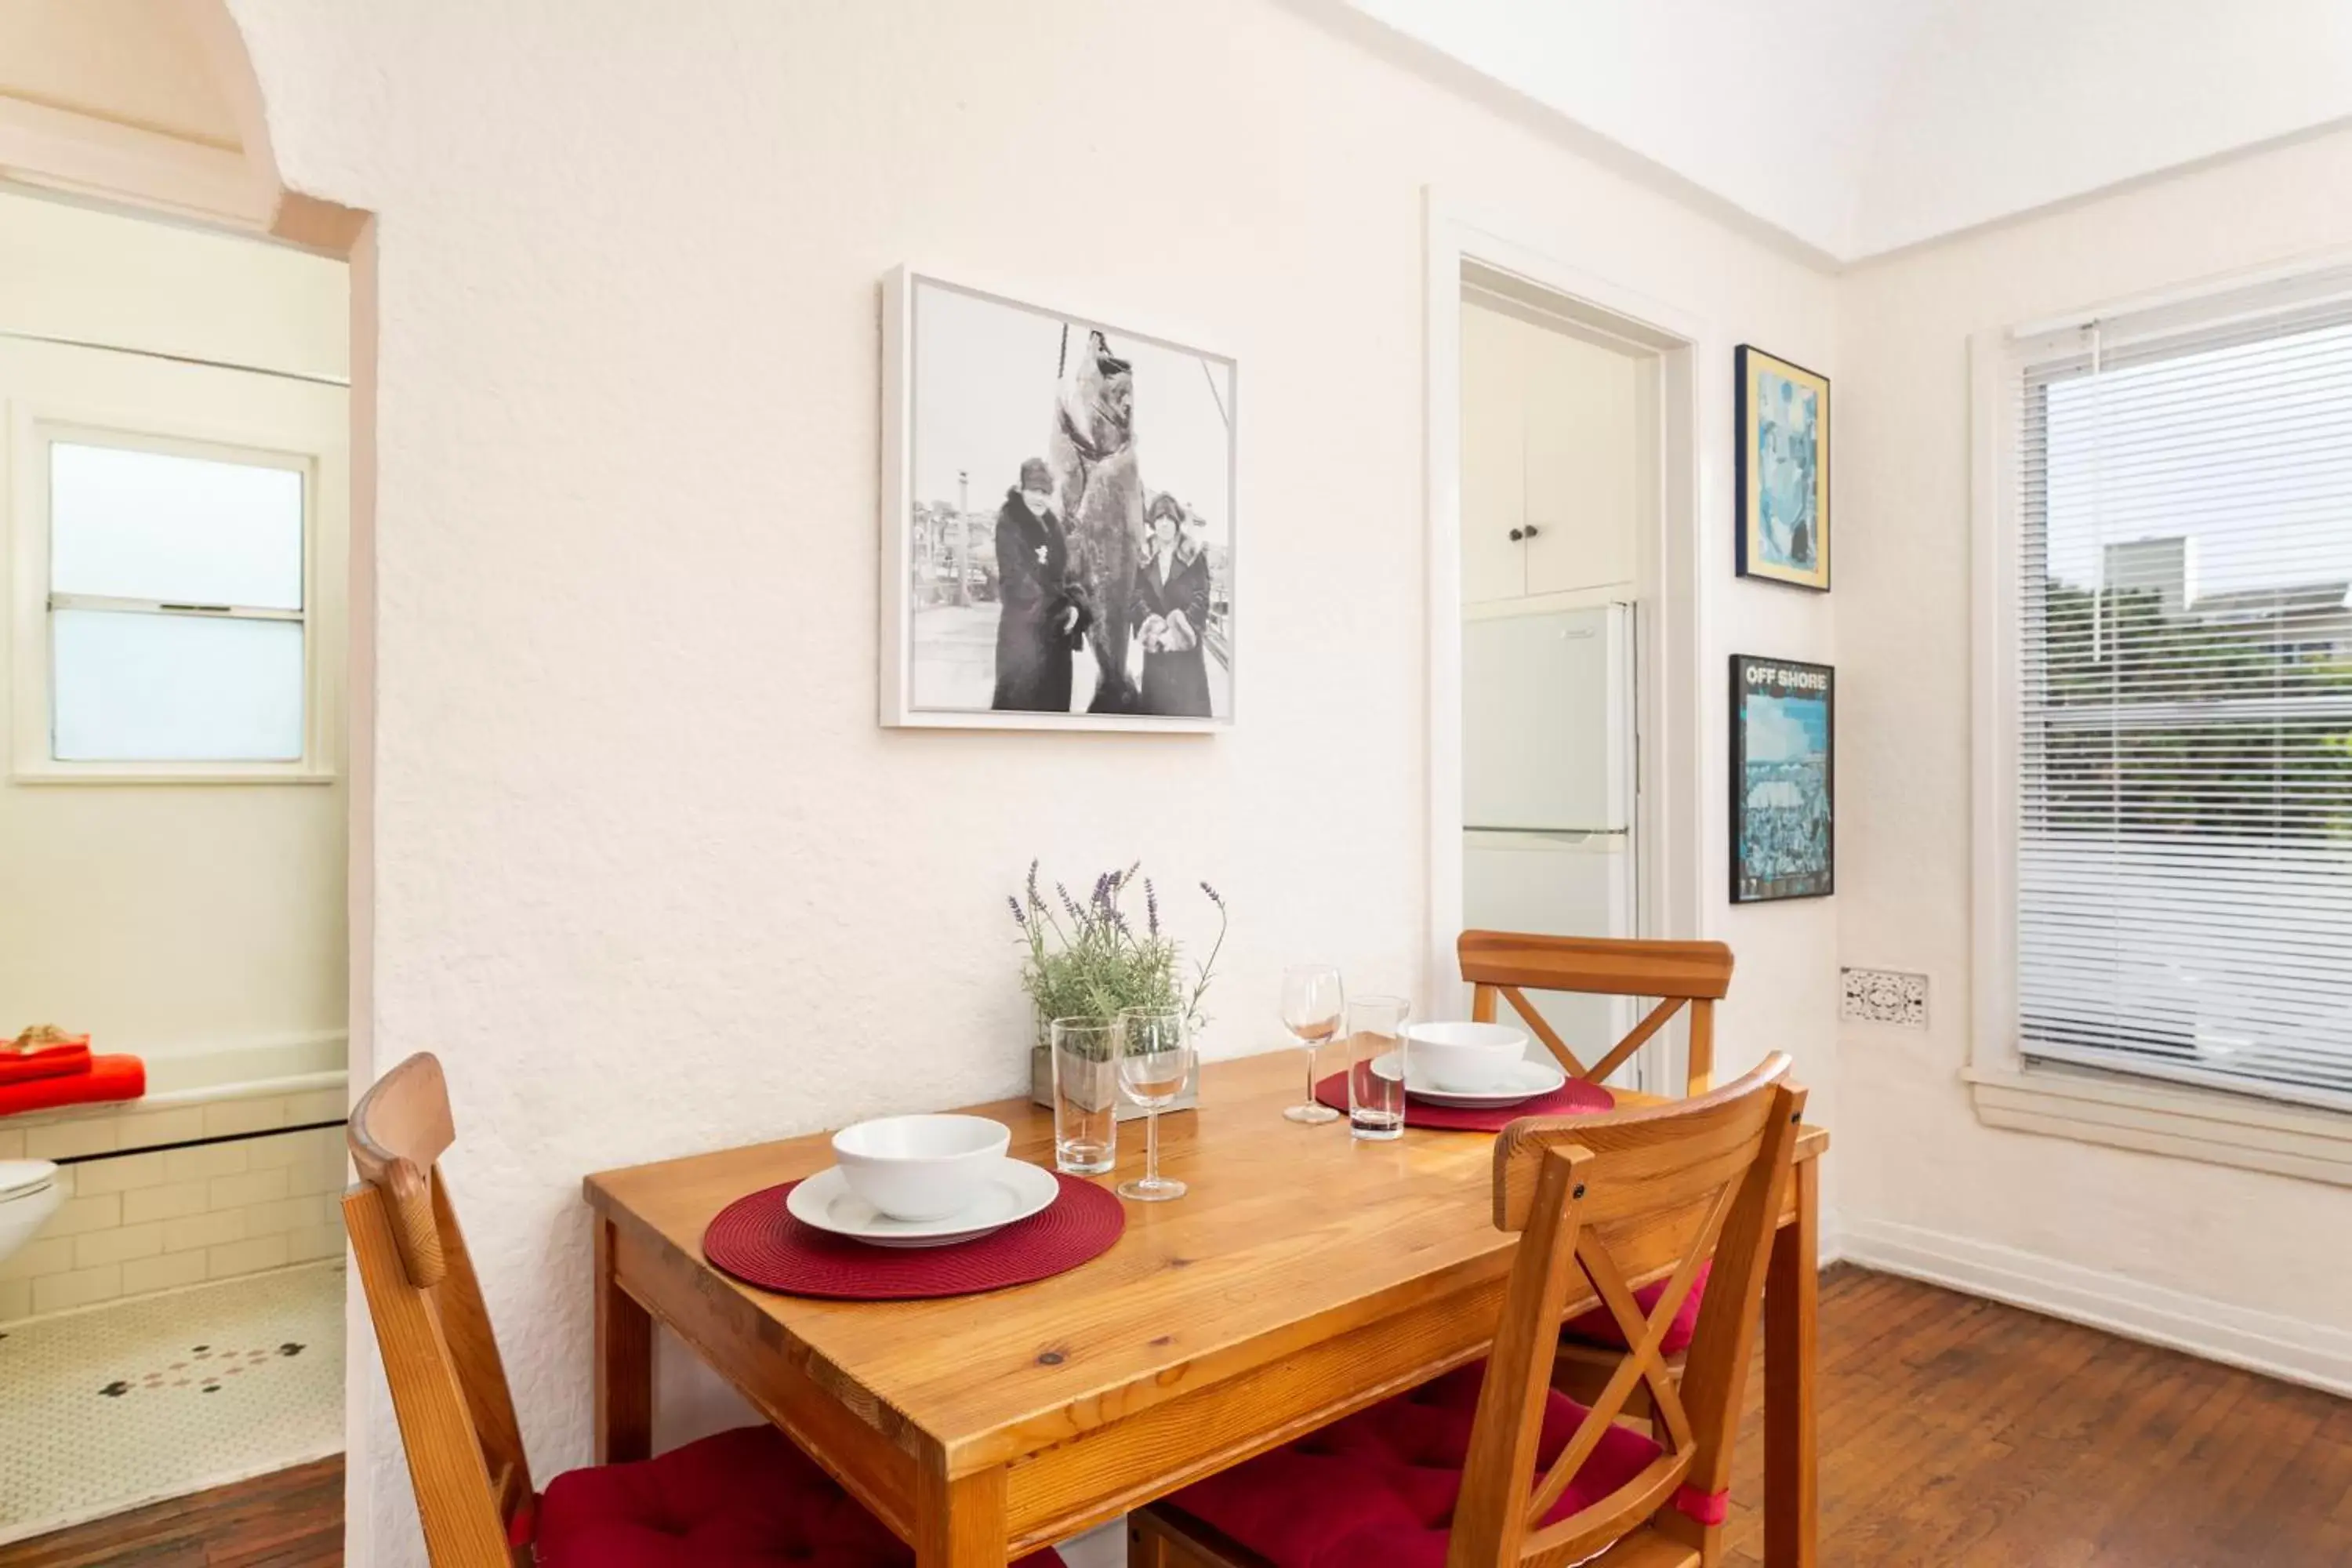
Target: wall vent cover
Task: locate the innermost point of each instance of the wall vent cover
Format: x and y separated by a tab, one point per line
1884	996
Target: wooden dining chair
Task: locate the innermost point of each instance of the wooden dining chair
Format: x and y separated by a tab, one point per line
740	1497
1507	965
1491	1467
1694	974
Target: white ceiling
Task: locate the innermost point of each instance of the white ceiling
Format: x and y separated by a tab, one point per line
1859	126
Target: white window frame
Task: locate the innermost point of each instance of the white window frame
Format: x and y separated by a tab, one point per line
2087	1104
32	761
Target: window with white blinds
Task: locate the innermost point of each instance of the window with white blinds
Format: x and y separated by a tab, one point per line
2184	666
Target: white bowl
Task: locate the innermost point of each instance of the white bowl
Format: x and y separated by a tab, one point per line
919	1167
1469	1058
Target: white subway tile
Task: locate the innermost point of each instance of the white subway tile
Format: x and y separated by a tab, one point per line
227	1118
121	1245
119	1174
317	1241
211	1159
151	1129
72	1140
330	1174
318	1105
176	1200
48	1255
252	1187
245	1257
289	1213
76	1215
16	1300
204	1230
164	1273
279	1154
57	1293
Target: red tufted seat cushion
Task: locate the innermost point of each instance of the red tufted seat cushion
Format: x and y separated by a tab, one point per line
1377	1489
745	1498
1597	1327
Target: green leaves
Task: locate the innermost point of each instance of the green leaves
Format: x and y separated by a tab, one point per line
1090	959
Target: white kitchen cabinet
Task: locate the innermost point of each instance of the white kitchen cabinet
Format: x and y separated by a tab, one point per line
1558	460
1583	434
1494	456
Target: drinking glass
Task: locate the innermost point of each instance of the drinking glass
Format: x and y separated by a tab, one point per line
1376	1041
1155	1060
1312	1002
1086	1094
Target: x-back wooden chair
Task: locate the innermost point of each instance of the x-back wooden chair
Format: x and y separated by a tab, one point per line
1545	1481
744	1495
1507	965
1697	975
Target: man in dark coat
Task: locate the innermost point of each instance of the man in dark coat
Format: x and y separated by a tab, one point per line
1042	615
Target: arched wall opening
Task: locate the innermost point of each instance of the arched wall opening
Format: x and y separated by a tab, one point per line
152	108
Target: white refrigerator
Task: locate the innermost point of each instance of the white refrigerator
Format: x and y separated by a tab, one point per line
1547	792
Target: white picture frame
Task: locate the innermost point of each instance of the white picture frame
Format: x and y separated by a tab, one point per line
955	367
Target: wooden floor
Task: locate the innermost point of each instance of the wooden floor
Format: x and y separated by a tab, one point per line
1962	1434
291	1520
1955	1433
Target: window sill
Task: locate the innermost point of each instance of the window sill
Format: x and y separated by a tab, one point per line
2217	1128
226	773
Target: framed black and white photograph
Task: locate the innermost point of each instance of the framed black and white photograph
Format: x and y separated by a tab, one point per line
1783	468
1783	779
1057	515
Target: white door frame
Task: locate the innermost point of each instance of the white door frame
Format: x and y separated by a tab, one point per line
1518	246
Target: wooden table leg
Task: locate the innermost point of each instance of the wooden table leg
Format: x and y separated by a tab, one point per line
959	1522
625	1364
1791	1301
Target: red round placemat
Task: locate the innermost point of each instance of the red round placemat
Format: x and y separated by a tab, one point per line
1574	1097
756	1241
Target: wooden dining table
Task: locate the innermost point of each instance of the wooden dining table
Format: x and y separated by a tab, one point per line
1306	1275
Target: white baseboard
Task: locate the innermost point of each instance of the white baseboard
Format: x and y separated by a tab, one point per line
2299	1352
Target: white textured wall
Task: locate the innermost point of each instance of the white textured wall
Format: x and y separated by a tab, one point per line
1910	1150
648	876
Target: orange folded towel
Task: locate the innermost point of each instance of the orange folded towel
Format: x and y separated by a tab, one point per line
109	1077
45	1061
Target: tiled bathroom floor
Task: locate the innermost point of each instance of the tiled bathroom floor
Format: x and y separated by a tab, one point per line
105	1409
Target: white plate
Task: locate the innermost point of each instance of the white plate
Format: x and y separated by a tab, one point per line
1012	1191
1527	1080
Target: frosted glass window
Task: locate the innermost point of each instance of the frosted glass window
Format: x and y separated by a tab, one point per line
131	524
148	687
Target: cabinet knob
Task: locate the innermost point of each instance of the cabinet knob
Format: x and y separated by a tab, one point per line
1531	531
1518	534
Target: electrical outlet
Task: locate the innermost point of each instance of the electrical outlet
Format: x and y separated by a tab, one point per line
1884	996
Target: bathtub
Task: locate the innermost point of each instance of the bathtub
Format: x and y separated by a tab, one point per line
197	1092
231	1163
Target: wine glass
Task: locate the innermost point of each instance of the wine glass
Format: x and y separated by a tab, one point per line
1155	1061
1312	1002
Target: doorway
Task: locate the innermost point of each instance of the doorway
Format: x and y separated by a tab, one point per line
1562	499
175	829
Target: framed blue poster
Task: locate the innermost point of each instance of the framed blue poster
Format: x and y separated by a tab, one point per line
1783	470
1783	779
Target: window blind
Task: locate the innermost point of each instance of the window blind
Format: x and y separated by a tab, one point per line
2184	664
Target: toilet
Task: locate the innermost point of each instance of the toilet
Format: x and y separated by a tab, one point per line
29	1195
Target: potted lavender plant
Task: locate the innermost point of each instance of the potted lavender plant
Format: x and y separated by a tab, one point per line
1089	960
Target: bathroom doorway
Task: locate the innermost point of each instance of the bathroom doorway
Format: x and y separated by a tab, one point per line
175	832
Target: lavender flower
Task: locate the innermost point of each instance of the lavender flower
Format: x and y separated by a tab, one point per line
1019	919
1151	908
1069	903
1034	901
1214	896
